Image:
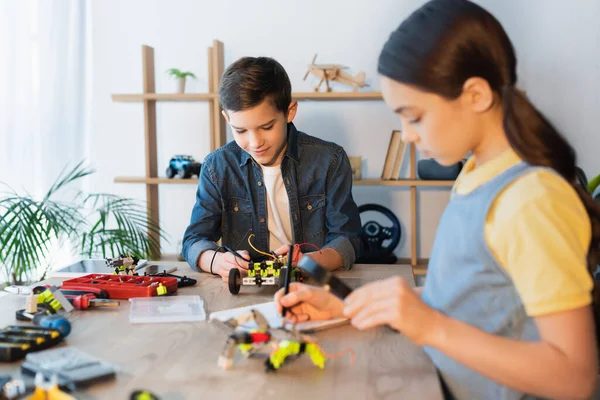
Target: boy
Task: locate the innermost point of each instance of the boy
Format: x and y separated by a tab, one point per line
272	181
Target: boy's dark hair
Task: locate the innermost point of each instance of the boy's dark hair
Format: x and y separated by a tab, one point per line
250	80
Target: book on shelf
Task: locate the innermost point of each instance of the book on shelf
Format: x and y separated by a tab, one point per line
394	158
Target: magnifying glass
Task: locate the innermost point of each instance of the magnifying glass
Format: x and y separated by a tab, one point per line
324	277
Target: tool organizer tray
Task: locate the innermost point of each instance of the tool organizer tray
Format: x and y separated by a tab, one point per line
123	286
16	341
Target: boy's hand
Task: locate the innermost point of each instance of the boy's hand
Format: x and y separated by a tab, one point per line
226	261
391	302
284	250
305	302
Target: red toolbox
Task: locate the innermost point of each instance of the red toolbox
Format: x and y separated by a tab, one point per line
123	286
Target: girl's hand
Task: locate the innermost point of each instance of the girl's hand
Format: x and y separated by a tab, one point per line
392	302
305	302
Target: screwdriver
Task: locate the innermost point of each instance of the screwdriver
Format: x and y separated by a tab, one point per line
52	321
85	301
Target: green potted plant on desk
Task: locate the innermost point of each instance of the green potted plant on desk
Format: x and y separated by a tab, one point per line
181	76
98	225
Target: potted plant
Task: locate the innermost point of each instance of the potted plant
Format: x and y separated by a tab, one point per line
98	225
177	74
593	187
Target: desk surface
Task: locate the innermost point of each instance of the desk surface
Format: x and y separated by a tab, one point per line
178	360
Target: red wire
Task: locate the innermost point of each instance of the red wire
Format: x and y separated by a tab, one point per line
299	247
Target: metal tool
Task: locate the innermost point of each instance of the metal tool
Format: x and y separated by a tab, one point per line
52	296
52	321
324	277
85	301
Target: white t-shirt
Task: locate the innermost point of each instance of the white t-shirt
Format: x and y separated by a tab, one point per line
278	206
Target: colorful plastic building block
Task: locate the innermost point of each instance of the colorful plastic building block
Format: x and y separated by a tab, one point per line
267	273
283	345
123	265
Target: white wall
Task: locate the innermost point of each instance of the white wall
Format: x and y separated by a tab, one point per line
556	43
558	49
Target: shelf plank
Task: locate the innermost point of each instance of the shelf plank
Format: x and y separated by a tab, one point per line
155	181
337	96
362	182
209	96
164	97
402	182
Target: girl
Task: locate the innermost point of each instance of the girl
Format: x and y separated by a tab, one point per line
506	310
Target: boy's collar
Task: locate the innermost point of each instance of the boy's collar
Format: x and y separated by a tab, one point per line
292	146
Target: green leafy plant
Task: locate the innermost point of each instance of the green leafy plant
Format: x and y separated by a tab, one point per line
100	225
175	73
593	185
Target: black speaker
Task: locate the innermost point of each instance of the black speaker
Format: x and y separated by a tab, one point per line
430	170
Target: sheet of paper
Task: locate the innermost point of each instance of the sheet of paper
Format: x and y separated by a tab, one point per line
269	311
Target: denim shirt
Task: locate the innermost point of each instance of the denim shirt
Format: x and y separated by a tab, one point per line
231	200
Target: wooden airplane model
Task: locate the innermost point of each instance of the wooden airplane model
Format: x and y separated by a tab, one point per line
334	73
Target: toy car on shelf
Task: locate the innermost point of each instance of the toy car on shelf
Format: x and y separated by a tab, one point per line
183	167
268	273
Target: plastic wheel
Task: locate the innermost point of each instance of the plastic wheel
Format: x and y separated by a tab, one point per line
235	281
170	172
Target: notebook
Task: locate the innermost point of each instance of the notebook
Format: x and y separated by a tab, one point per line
269	311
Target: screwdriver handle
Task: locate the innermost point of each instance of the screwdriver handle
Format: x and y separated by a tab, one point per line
104	303
53	321
82	301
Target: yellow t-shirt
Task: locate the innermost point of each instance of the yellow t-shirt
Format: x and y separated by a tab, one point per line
539	232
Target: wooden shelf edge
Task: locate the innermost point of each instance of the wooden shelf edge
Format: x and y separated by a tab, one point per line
363	182
402	182
137	97
164	97
155	181
337	96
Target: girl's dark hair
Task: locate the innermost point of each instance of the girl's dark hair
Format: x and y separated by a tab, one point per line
446	42
250	80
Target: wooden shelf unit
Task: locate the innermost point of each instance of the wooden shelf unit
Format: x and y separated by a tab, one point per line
362	182
149	97
218	136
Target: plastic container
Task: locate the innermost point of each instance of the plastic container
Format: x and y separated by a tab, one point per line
166	309
123	286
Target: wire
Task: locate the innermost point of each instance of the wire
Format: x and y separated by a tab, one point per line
334	355
299	248
213	260
309	244
235	253
257	250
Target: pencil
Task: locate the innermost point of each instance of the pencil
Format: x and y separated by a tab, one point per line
288	276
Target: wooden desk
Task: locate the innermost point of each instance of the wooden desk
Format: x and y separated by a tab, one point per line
178	361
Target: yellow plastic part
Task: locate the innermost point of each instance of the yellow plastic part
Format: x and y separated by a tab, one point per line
284	350
53	393
144	396
47	297
161	289
316	355
244	348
